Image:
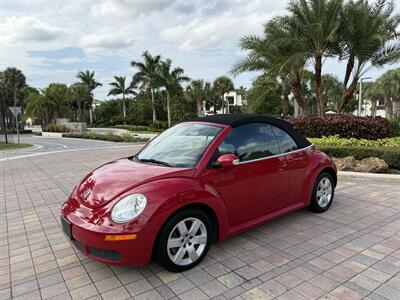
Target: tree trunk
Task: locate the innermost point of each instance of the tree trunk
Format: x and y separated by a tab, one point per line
199	107
395	107
3	120
317	85
215	106
388	108
153	106
347	96
295	86
285	105
168	109
124	108
222	103
373	108
349	68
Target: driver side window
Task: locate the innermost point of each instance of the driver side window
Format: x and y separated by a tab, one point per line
250	141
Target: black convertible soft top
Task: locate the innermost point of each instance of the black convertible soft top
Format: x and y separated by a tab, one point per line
235	120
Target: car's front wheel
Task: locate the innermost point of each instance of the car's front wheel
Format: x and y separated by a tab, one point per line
323	191
184	240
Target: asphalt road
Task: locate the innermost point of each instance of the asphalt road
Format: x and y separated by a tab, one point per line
43	146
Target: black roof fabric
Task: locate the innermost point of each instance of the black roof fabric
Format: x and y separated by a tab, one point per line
235	120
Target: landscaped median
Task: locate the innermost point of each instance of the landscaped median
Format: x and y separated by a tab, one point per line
12	146
125	137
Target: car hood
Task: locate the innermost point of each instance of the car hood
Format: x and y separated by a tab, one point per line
117	177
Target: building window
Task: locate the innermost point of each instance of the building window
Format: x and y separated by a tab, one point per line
231	100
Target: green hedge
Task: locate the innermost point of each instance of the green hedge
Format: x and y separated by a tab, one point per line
106	137
139	128
21	131
391	155
338	141
344	126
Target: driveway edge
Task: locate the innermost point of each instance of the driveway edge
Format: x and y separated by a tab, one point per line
374	176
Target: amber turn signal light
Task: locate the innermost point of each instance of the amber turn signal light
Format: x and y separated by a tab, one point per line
120	237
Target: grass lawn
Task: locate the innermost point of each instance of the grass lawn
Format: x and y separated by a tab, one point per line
10	146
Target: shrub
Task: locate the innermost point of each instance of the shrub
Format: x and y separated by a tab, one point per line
137	128
345	126
391	155
395	122
107	137
21	131
126	136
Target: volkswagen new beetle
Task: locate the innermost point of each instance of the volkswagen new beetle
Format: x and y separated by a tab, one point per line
196	183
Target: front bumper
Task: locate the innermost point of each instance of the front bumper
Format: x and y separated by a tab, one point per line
87	234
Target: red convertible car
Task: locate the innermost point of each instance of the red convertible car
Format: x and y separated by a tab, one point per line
196	183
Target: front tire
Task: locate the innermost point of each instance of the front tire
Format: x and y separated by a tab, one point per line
184	240
323	192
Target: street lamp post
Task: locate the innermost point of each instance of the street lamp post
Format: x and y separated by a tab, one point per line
360	96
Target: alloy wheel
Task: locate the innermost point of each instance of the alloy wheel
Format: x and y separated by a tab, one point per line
324	192
187	241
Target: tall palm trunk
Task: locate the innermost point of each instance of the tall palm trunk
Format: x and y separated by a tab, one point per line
285	105
222	103
396	107
153	106
347	96
169	109
388	107
3	121
317	85
124	107
215	105
199	107
295	86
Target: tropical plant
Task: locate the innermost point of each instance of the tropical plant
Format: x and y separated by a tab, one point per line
147	76
80	99
317	23
197	92
368	38
119	87
279	53
87	78
56	94
388	86
264	97
222	85
171	79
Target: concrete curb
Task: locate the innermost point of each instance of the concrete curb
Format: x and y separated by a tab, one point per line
374	176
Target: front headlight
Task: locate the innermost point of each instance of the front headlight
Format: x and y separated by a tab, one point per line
128	208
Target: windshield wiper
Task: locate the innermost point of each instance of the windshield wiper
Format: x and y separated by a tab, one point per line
154	161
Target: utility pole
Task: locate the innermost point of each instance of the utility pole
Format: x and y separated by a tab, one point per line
360	96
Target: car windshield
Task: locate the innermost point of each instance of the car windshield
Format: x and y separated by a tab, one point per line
180	146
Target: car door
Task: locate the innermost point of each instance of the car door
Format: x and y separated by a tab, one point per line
259	184
297	161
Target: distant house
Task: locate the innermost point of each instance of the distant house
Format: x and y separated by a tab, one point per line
369	108
232	98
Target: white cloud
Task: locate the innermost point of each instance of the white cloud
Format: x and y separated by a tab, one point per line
29	28
96	43
127	9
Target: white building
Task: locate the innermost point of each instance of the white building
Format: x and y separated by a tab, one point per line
367	109
231	99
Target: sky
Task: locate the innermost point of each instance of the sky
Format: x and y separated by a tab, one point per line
50	41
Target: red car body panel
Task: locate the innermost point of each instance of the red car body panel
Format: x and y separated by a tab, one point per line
240	197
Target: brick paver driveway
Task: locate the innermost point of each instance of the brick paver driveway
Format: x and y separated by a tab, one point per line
350	252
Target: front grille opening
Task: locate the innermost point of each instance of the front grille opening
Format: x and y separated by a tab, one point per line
106	254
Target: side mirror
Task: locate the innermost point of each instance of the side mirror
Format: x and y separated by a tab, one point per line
228	160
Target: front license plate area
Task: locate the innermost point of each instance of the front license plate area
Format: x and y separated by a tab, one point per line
67	227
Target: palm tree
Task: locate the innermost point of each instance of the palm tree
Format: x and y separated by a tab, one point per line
79	97
197	92
171	80
317	23
279	53
221	86
87	78
119	88
147	76
14	80
389	86
369	38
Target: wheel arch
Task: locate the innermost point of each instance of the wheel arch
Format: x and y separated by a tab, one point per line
331	172
197	205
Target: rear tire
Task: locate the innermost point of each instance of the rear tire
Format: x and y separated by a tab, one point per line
323	192
184	240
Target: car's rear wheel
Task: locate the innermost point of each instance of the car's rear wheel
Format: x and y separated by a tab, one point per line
323	192
184	240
